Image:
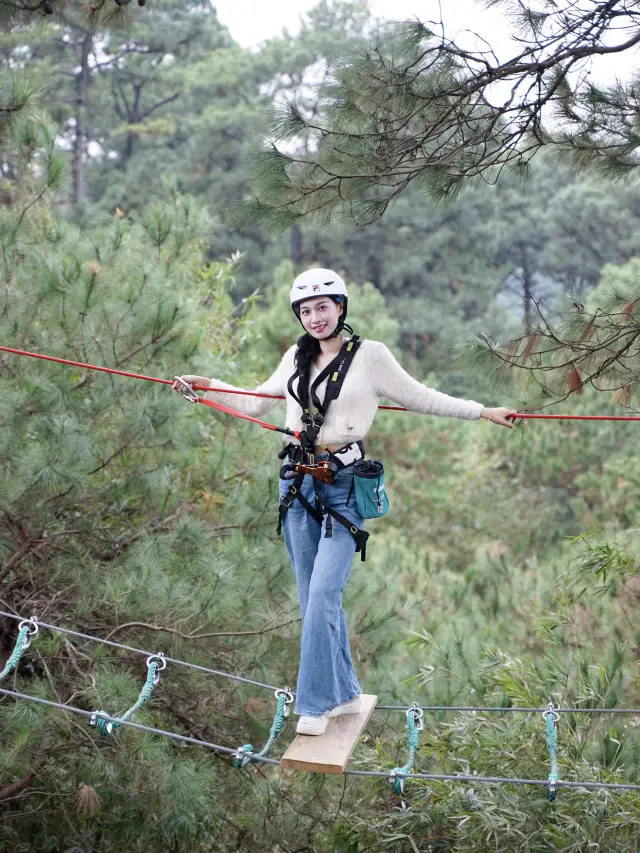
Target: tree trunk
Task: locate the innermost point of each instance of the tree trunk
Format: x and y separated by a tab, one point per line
527	291
133	118
375	270
82	84
296	245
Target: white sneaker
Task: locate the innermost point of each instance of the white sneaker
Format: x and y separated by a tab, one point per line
312	725
352	707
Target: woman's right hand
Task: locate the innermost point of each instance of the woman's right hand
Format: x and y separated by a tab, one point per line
188	378
200	382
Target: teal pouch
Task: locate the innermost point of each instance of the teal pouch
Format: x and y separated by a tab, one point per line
368	484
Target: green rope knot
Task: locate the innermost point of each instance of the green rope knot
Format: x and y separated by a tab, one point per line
105	724
414	727
27	629
102	721
551	718
244	754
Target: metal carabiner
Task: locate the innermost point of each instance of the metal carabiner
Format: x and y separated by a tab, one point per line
551	711
417	716
162	664
186	390
288	698
33	622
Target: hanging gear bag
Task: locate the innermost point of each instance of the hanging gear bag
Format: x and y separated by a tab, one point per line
368	485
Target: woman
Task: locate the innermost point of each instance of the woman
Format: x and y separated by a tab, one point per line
332	386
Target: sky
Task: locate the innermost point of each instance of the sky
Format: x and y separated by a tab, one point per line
254	21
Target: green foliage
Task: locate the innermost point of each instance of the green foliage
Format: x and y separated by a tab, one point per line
504	575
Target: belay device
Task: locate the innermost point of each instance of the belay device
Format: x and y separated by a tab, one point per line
302	457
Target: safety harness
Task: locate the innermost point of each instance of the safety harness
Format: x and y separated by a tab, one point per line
302	457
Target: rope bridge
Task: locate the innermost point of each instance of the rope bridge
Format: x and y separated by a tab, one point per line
156	662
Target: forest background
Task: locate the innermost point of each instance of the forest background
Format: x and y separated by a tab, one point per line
504	575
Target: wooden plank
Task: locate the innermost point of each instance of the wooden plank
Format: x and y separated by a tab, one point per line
330	752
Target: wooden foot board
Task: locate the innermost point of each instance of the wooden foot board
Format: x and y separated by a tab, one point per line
330	752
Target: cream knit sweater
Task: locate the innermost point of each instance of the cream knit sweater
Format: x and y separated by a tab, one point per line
374	374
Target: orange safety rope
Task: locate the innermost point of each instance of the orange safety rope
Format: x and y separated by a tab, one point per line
235	413
219	406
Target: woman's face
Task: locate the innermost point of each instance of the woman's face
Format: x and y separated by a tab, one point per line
319	316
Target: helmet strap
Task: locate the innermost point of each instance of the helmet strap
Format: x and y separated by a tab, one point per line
338	330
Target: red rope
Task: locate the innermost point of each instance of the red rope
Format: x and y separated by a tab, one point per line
234	412
219	406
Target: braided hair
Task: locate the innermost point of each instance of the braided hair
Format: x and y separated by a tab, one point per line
307	349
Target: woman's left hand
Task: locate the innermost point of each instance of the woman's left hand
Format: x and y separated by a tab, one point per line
499	416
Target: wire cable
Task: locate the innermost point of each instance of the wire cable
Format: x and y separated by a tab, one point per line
113	644
373	773
244	680
493	709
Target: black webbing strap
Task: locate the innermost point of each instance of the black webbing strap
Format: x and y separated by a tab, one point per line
286	502
336	370
358	533
317	513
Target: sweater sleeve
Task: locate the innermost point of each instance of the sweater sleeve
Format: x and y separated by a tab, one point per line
391	381
275	385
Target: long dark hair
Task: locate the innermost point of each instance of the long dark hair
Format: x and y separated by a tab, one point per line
307	349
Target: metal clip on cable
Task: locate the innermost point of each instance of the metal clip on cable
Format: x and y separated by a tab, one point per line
551	720
29	623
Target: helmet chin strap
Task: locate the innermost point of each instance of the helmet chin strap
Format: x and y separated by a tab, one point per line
338	330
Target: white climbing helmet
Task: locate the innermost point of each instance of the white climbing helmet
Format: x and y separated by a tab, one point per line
318	282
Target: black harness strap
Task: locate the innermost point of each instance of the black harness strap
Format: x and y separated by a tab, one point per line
336	371
286	502
358	533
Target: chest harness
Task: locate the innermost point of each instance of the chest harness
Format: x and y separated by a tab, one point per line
302	457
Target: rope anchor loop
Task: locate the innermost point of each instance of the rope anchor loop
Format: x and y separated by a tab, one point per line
105	723
288	699
415	725
27	629
160	664
551	717
416	713
244	754
35	628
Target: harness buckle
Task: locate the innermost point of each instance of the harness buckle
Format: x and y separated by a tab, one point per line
288	472
318	419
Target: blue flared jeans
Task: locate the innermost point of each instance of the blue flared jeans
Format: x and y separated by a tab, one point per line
326	677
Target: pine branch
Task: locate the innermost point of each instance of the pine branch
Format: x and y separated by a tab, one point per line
194	635
413	106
